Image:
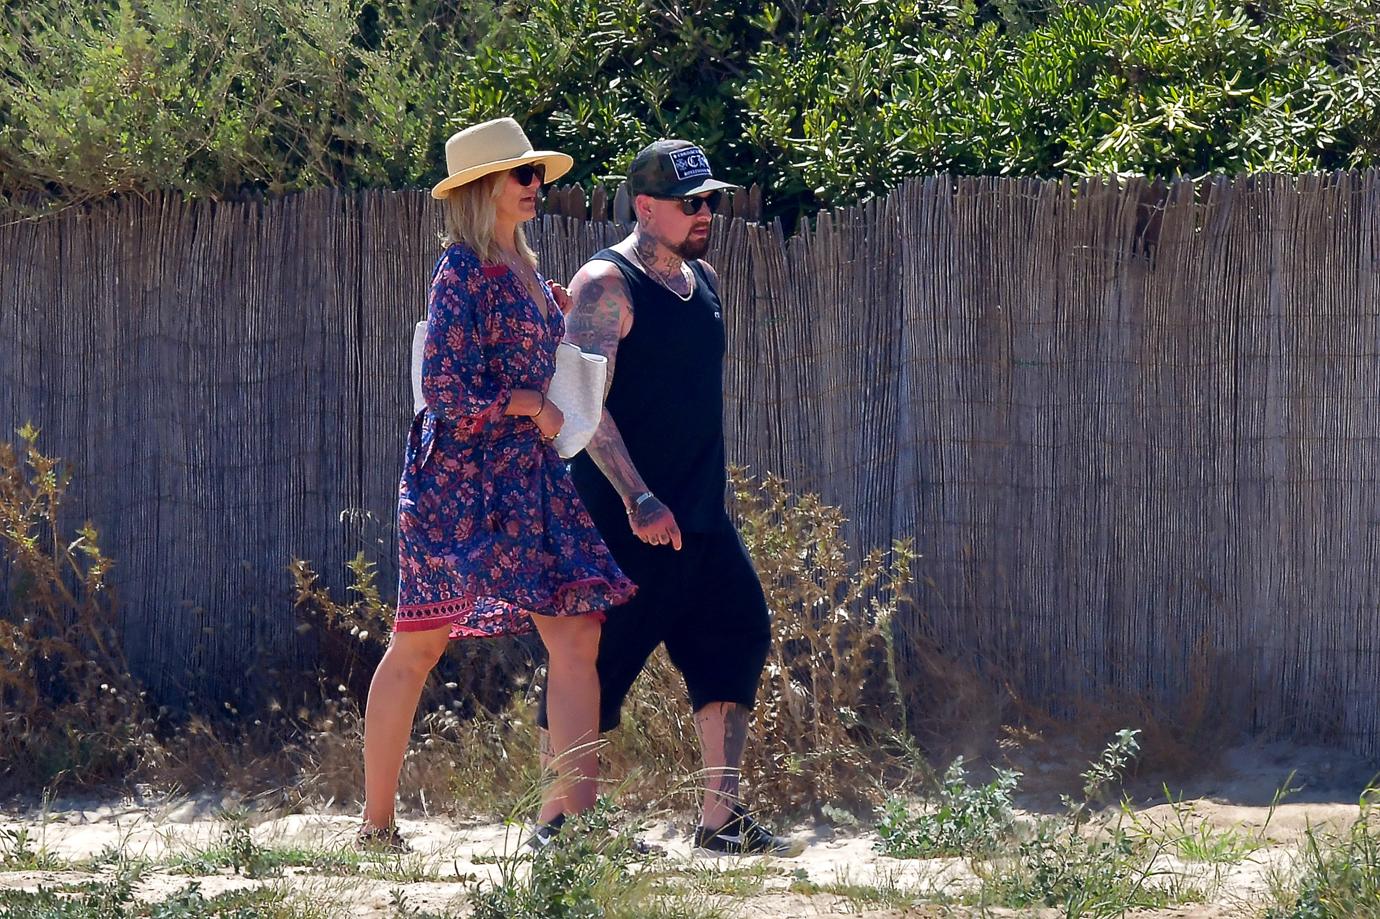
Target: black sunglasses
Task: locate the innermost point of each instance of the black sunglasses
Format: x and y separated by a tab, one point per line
524	173
690	206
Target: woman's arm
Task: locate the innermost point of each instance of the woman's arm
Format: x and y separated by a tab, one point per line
459	381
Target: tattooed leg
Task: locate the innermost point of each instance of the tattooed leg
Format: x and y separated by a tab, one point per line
722	728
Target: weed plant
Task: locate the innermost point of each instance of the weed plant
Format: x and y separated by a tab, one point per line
591	870
1339	877
114	898
1071	862
69	710
961	819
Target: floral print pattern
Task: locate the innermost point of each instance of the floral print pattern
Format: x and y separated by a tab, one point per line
490	528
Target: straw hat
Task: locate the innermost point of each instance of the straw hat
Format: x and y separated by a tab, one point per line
493	147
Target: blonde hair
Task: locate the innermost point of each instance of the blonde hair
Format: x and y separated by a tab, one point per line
469	217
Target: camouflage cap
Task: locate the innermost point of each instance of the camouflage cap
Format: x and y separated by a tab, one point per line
672	169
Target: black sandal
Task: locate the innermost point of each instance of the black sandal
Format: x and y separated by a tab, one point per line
384	840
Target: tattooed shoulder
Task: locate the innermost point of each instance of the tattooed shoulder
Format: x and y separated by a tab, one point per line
602	312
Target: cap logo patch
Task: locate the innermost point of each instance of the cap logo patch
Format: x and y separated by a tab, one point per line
690	163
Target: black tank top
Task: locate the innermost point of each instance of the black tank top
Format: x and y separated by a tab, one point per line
667	399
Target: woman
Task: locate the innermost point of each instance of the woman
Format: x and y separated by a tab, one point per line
492	537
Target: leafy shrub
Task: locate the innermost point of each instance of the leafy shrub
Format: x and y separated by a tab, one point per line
821	102
1180	88
963	820
130	96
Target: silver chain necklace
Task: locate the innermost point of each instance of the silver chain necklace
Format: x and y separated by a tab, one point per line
684	272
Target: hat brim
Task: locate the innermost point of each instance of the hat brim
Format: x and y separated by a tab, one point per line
695	187
557	165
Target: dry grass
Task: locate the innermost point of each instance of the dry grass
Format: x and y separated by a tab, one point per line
1177	740
69	711
832	732
830	723
831	718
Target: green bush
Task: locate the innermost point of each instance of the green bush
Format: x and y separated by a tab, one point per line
1143	86
965	820
1098	868
211	99
822	103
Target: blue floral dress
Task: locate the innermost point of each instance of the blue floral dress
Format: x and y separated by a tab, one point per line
490	528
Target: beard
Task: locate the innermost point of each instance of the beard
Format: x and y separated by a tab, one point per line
690	249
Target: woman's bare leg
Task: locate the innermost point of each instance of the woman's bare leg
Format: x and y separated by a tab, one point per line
572	712
388	715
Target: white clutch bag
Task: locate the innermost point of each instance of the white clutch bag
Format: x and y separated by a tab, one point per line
577	389
418	350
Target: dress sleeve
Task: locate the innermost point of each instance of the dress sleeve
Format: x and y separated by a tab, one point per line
459	381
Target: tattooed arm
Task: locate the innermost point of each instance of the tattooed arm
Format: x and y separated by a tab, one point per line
601	317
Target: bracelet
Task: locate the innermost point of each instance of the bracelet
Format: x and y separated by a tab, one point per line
637	502
543	407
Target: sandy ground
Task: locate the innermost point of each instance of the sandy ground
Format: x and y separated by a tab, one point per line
1238	794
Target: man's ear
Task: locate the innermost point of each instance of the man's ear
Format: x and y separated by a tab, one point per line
642	208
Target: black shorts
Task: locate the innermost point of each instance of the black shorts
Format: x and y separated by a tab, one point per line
705	602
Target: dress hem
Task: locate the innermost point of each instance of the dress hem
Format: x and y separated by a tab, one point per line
444	613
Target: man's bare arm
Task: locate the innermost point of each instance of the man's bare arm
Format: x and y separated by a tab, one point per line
601	317
602	313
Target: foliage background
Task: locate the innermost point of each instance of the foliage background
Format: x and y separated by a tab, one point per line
823	102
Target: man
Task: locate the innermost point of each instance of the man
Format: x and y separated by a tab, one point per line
654	479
